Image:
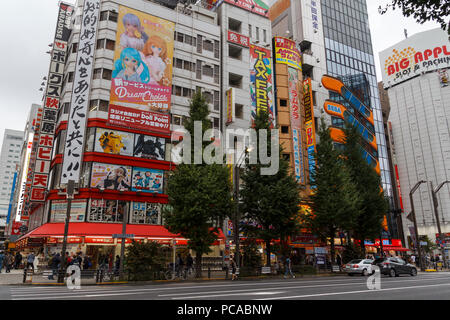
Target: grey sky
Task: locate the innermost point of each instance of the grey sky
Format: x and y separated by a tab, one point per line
28	26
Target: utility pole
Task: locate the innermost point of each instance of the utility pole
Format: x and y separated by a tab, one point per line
122	248
435	206
419	249
70	191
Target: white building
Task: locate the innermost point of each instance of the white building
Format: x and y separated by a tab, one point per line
9	159
415	74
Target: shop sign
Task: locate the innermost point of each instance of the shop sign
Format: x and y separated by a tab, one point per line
230	105
287	53
78	113
320	250
259	7
138	119
238	39
98	240
309	125
53	240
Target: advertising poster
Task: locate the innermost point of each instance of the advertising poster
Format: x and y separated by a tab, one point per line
261	82
287	53
230	104
142	75
110	176
145	213
138	119
256	6
107	210
58	210
147	180
148	147
309	125
114	142
296	125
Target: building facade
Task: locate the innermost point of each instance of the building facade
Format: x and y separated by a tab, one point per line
416	77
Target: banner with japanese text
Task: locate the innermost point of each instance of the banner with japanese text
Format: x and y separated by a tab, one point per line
309	125
287	53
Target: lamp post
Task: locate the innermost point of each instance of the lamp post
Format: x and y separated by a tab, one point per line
70	191
422	268
435	206
237	214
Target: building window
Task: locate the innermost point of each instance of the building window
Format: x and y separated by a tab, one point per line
257	33
176	120
250	30
284	129
107	74
283	103
208	45
239	111
234	25
145	213
235	81
235	52
208	71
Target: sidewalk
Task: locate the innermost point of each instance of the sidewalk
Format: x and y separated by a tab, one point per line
14	277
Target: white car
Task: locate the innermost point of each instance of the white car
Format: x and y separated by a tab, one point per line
359	266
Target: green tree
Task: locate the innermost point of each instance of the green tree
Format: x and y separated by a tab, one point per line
200	195
270	203
142	258
334	201
423	10
372	205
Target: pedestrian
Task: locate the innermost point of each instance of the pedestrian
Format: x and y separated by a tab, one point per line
117	265
179	264
30	260
288	268
233	269
189	263
413	259
339	260
8	262
55	264
87	263
17	260
36	263
2	258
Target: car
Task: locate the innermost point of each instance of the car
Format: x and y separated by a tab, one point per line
359	266
394	267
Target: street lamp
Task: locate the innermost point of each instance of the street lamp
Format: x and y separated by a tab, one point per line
237	217
422	268
435	205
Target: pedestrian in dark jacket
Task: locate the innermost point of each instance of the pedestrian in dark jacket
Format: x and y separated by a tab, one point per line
17	260
55	264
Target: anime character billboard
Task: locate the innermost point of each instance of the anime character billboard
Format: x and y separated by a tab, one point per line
142	75
110	177
114	142
149	147
147	180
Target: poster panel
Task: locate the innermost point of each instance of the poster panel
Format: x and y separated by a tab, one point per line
309	125
261	82
147	180
110	176
142	75
114	142
260	7
58	211
138	119
286	52
149	147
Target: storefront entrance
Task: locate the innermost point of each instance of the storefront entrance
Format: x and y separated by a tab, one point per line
101	254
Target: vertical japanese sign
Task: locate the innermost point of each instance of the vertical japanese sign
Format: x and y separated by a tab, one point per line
296	124
261	87
287	53
394	162
309	126
230	105
142	75
76	127
45	138
24	186
314	15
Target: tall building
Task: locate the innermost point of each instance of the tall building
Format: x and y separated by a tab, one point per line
415	74
9	160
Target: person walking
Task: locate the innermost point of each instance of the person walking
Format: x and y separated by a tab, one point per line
55	264
30	260
288	268
117	266
233	268
2	258
189	263
17	260
8	262
87	263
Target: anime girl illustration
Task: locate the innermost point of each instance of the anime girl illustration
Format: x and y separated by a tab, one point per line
155	51
117	179
134	35
111	143
126	67
139	180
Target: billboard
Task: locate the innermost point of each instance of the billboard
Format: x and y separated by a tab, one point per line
309	125
286	52
114	142
230	105
149	147
256	6
147	180
76	124
261	82
138	119
110	176
296	125
142	75
422	52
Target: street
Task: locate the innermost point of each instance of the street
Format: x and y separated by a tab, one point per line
425	286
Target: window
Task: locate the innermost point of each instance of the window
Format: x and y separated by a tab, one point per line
70	77
234	25
146	213
97	73
239	111
75	47
107	74
216	123
208	71
208	45
101	43
250	30
284	129
176	120
216	100
208	97
107	210
283	103
216	74
110	44
257	33
235	52
180	37
113	16
235	80
264	35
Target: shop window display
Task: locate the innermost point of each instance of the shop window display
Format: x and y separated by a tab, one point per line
145	213
107	210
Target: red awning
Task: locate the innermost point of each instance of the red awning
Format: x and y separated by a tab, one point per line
104	230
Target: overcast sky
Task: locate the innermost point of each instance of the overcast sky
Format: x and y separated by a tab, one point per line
27	28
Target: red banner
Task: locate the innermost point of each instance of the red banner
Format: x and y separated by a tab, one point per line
139	119
238	39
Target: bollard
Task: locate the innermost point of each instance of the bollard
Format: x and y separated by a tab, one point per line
209	272
226	273
24	275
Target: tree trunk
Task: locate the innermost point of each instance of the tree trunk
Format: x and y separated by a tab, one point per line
198	265
332	248
363	248
268	253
